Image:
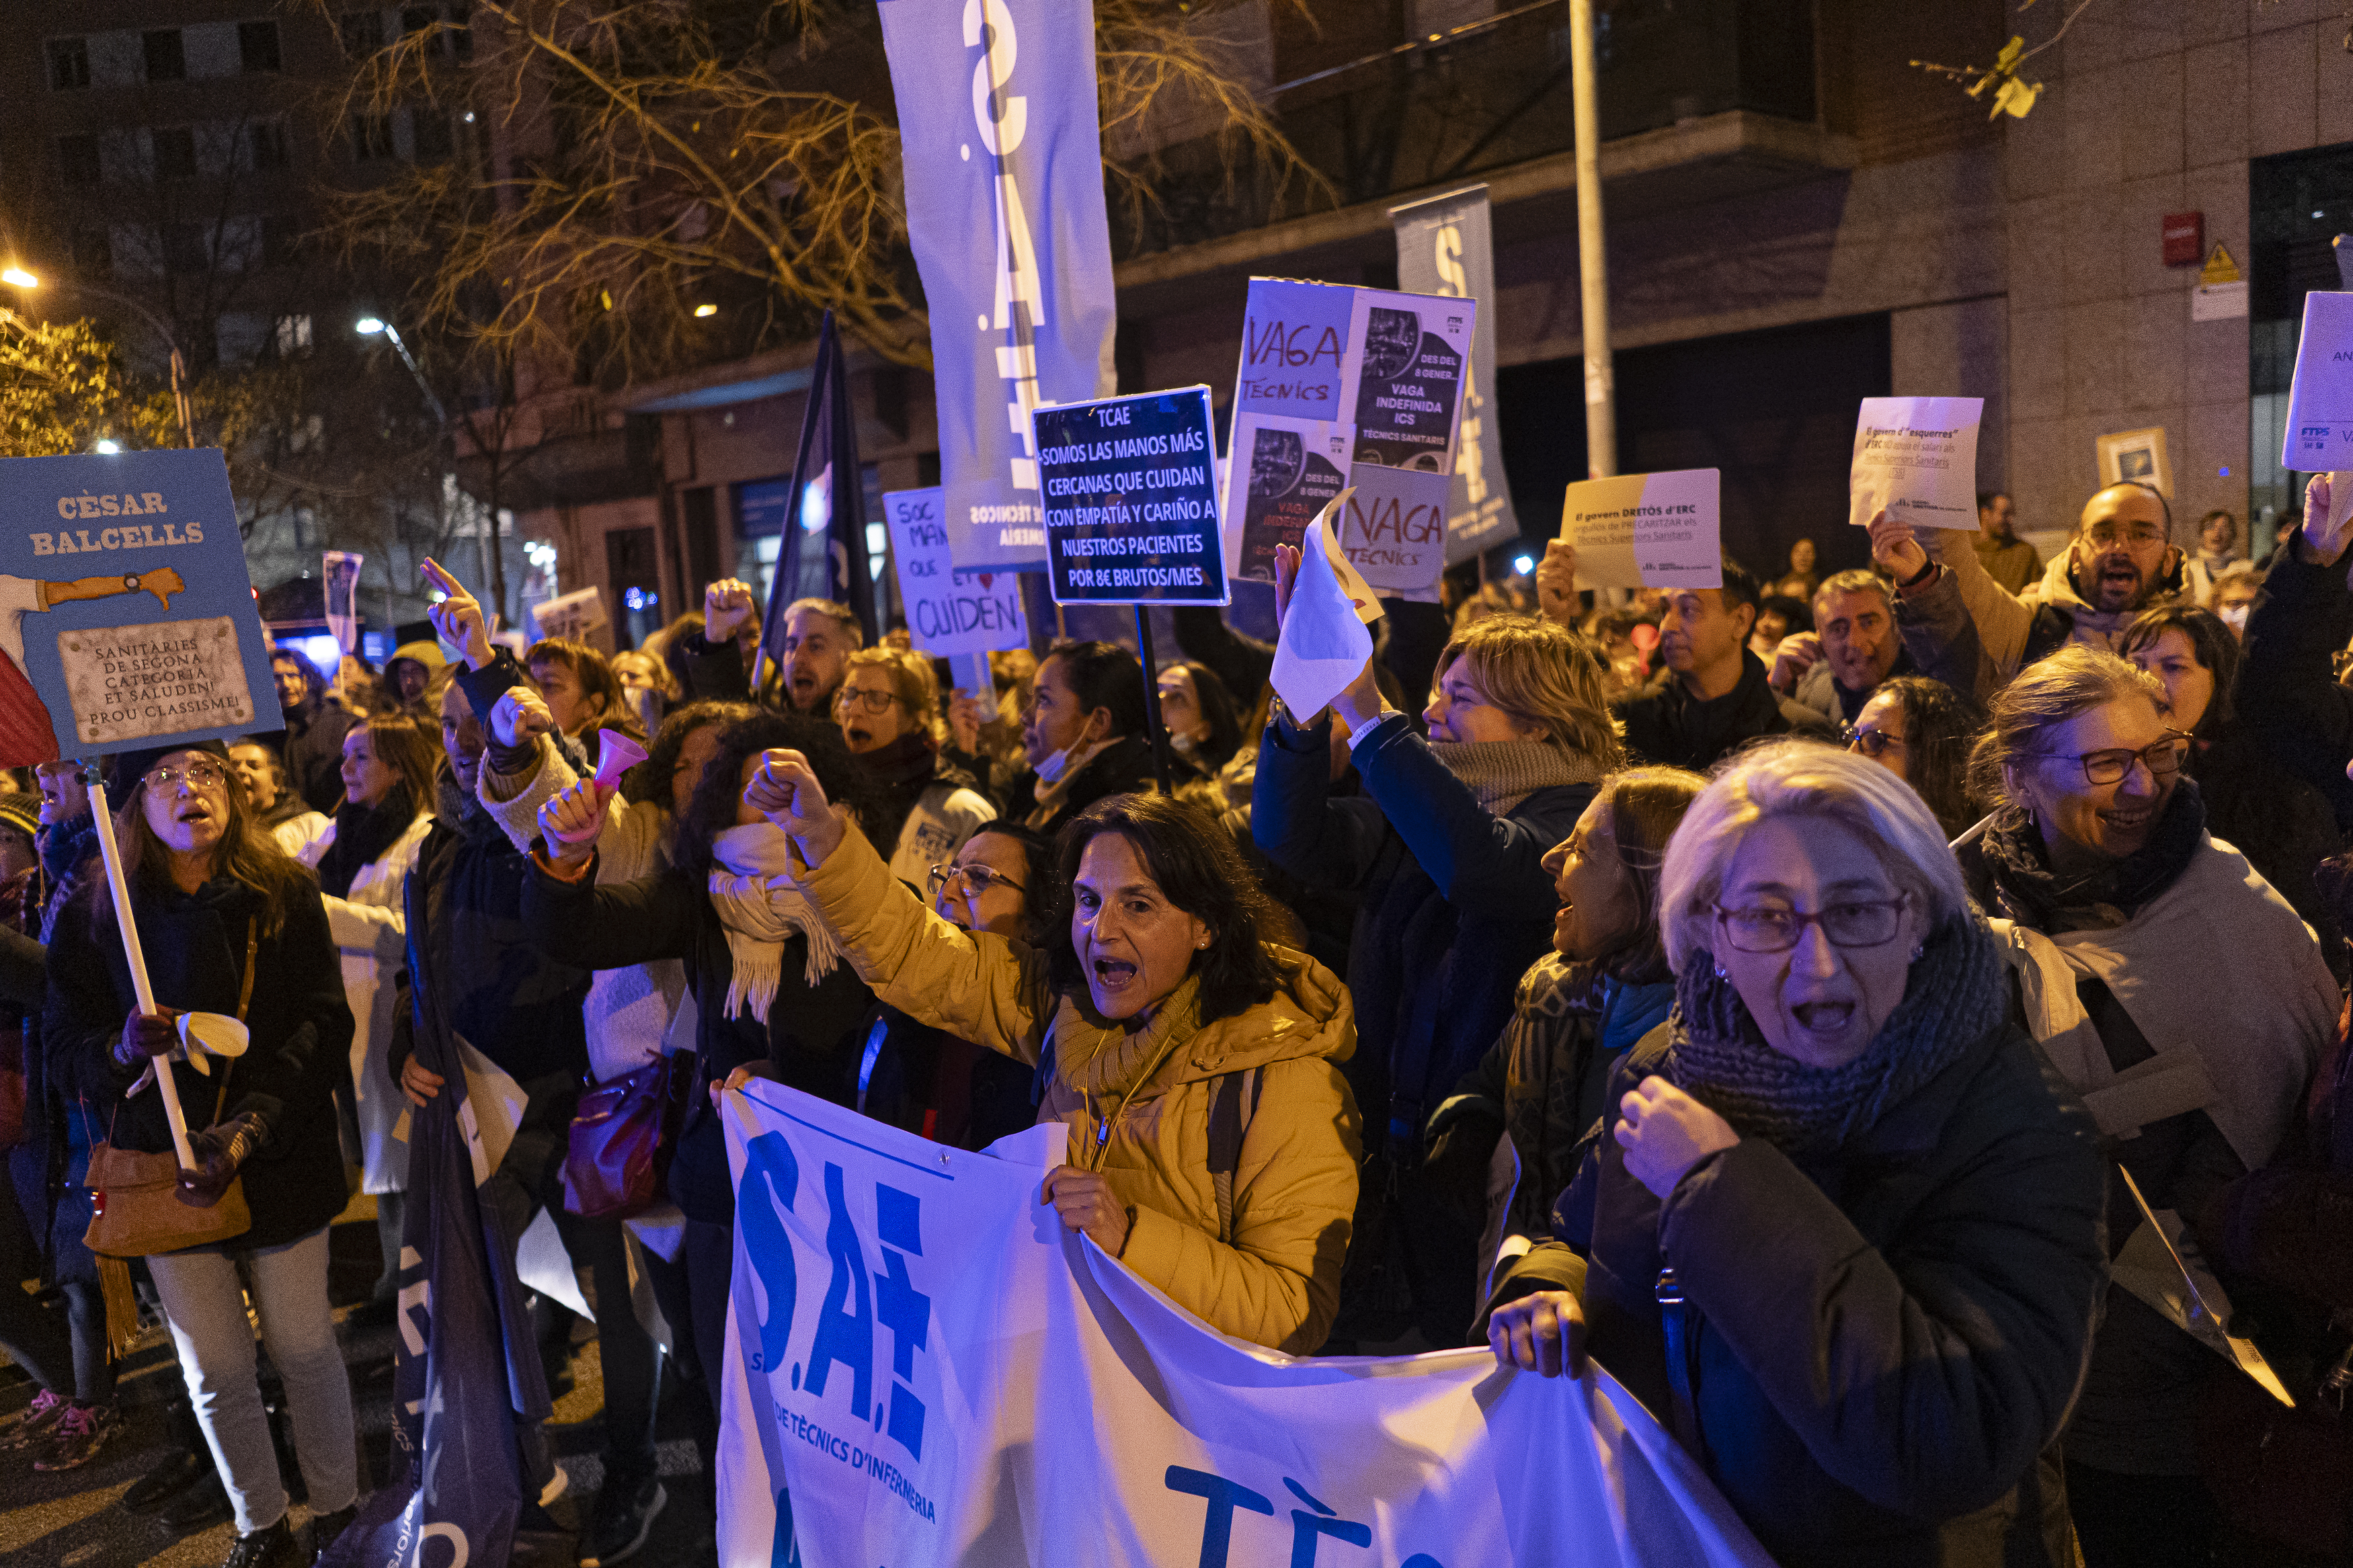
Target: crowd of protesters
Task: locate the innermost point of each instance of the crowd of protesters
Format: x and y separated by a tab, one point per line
1796	997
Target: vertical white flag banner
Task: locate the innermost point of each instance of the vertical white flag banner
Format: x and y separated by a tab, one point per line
1445	246
925	1368
1003	161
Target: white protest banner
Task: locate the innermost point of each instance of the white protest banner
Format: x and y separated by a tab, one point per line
2319	436
925	1368
1340	385
1647	531
1445	246
1915	459
948	612
573	614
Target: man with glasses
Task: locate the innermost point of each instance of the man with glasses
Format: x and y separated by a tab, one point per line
888	706
1967	630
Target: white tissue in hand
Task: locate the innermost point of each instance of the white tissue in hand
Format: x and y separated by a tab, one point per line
1324	645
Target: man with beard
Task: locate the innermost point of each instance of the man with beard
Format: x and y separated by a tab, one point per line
1835	669
819	637
1714	696
1968	631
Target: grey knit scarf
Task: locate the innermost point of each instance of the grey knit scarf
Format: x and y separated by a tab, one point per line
1715	1053
1503	773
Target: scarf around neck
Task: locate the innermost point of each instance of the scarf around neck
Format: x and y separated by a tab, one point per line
363	836
761	907
1717	1055
2029	891
1503	773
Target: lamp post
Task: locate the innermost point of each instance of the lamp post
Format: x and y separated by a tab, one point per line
375	326
17	278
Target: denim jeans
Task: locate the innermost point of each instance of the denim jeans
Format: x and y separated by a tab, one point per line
205	1301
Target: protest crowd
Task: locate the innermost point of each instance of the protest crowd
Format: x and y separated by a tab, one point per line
1838	995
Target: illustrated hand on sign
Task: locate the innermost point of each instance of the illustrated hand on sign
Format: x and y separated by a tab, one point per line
1895	546
1556	584
784	790
728	610
163	582
458	619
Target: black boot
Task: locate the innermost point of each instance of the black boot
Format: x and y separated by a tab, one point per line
200	1506
186	1462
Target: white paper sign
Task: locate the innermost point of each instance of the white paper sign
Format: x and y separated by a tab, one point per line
1323	644
948	612
2320	402
1916	459
573	616
1648	531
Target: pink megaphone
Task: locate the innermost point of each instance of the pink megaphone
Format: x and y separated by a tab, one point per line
616	754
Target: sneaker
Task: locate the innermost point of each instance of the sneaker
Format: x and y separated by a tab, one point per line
271	1548
626	1511
47	1407
201	1507
167	1480
78	1437
325	1527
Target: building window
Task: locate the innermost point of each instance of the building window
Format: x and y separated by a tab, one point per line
362	32
429	127
293	335
184	247
68	64
78	161
257	46
371	137
269	145
174	152
167	55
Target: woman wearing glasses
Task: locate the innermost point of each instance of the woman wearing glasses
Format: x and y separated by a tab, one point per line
2113	903
1921	731
229	925
1844	1230
889	710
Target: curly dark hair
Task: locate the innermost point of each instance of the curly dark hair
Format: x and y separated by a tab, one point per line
649	782
1194	861
1940	728
712	811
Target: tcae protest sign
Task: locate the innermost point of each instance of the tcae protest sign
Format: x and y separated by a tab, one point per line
1003	162
1343	386
1132	501
925	1368
948	612
126	616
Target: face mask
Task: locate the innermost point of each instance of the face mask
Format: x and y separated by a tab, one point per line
1185	745
1051	769
2235	616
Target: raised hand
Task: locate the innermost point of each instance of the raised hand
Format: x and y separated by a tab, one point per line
786	790
728	609
1665	1132
1286	578
966	714
1894	546
1556	584
519	717
458	619
572	819
2324	543
1799	652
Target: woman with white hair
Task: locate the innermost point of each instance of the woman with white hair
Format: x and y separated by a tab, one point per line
1844	1226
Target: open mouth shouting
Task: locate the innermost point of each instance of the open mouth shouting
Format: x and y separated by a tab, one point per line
1823	1019
1110	979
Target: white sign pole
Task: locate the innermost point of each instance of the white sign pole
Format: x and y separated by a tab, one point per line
102	817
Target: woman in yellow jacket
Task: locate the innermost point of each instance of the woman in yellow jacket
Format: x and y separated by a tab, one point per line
1196	1064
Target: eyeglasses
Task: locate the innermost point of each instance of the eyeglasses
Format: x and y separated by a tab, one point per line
1859	922
1869	742
872	701
979	878
2107	535
2162	760
196	775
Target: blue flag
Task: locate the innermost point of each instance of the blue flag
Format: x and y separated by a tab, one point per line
1005	212
823	553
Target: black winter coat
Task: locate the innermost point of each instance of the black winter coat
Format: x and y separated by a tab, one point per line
812	1034
1123	768
1666	725
300	1027
1887	1340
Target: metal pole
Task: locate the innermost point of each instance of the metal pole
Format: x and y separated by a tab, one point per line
1593	262
1152	701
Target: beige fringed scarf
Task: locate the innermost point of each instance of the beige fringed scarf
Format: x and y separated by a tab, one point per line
763	908
1503	773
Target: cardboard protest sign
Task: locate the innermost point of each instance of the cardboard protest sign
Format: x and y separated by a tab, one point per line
948	612
2319	435
572	616
126	616
1916	459
1337	386
1647	531
1132	501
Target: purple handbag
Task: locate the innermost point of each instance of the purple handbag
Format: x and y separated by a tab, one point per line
623	1134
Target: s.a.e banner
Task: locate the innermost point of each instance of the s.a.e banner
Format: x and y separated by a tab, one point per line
924	1367
1132	501
948	612
1003	160
1446	247
126	615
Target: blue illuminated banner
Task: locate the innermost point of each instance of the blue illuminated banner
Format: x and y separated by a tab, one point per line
1131	490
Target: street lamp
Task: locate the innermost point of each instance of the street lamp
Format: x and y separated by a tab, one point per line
17	278
370	326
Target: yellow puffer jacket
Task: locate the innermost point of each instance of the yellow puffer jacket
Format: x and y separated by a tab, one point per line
1273	1277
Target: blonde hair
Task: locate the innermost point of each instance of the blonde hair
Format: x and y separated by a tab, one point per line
1802	779
1541	674
2046	694
910	678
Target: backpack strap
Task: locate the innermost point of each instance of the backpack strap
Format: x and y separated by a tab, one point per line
1231	1107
